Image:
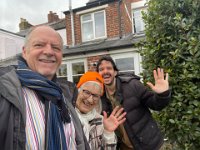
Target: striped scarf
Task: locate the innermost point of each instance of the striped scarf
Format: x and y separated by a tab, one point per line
56	112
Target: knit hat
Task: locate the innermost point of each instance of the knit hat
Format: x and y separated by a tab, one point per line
91	76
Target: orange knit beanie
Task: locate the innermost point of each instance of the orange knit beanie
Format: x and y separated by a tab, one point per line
91	76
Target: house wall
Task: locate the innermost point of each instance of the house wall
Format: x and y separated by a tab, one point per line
112	21
62	33
10	45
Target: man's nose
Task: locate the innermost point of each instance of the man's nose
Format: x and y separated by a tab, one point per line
104	71
49	50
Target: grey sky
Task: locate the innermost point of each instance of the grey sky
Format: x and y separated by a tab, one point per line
34	11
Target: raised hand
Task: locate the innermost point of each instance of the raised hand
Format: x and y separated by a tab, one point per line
116	118
161	83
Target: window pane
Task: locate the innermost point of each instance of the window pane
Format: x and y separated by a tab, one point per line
78	68
138	21
87	31
86	17
76	78
99	24
62	71
124	64
77	71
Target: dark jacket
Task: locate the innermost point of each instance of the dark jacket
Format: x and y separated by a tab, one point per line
13	113
136	99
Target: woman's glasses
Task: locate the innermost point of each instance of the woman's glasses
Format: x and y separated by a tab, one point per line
87	94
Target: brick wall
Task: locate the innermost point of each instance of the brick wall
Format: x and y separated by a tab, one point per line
112	21
92	61
125	17
68	29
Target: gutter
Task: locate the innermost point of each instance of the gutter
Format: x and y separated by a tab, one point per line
119	20
72	22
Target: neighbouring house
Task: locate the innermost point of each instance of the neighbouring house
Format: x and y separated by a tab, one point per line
24	26
10	46
103	27
53	20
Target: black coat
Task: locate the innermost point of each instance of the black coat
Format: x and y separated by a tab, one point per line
136	100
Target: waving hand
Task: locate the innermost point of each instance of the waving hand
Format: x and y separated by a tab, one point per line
116	118
161	83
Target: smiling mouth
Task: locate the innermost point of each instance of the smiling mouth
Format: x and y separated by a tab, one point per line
106	76
47	61
85	102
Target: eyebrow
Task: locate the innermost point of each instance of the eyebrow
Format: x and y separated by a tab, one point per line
91	92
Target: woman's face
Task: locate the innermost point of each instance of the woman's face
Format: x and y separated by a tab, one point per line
89	96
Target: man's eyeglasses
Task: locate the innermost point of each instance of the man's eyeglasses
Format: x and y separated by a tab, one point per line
87	94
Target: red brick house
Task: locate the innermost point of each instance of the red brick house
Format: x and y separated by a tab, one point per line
103	27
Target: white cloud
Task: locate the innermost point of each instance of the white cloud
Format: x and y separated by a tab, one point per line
34	11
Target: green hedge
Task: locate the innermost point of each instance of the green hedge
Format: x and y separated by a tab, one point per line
173	42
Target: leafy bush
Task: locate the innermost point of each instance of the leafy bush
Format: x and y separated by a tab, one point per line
173	43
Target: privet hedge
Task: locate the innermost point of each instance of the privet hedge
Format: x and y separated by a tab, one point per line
173	42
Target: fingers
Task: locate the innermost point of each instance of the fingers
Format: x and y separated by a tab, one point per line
121	117
115	110
150	85
105	116
122	121
167	76
119	114
155	75
159	74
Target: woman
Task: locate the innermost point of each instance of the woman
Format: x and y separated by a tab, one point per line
98	129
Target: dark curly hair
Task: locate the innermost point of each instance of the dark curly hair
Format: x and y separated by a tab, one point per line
106	58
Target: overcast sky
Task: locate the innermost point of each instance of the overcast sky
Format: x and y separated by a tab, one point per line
34	11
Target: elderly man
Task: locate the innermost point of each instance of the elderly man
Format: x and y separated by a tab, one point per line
34	113
99	130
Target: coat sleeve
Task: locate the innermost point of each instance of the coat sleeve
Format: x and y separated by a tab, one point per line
149	98
109	140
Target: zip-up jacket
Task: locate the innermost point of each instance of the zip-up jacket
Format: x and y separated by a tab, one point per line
136	99
13	113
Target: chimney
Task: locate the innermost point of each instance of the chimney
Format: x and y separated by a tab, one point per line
24	24
52	17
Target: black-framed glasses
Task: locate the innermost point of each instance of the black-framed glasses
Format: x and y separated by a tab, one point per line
87	94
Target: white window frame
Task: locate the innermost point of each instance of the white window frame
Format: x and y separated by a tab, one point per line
138	6
136	58
141	20
69	67
93	25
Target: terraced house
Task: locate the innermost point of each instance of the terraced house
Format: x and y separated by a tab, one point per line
103	27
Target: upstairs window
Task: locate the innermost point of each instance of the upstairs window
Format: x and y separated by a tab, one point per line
138	23
93	26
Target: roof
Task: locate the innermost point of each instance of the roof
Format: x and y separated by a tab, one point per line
60	24
91	4
100	45
10	32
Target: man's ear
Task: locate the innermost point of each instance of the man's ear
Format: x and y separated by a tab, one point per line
24	52
115	73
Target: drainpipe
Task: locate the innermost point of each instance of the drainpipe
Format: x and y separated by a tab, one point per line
119	20
72	22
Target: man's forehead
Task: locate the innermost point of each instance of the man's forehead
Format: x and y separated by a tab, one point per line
105	62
